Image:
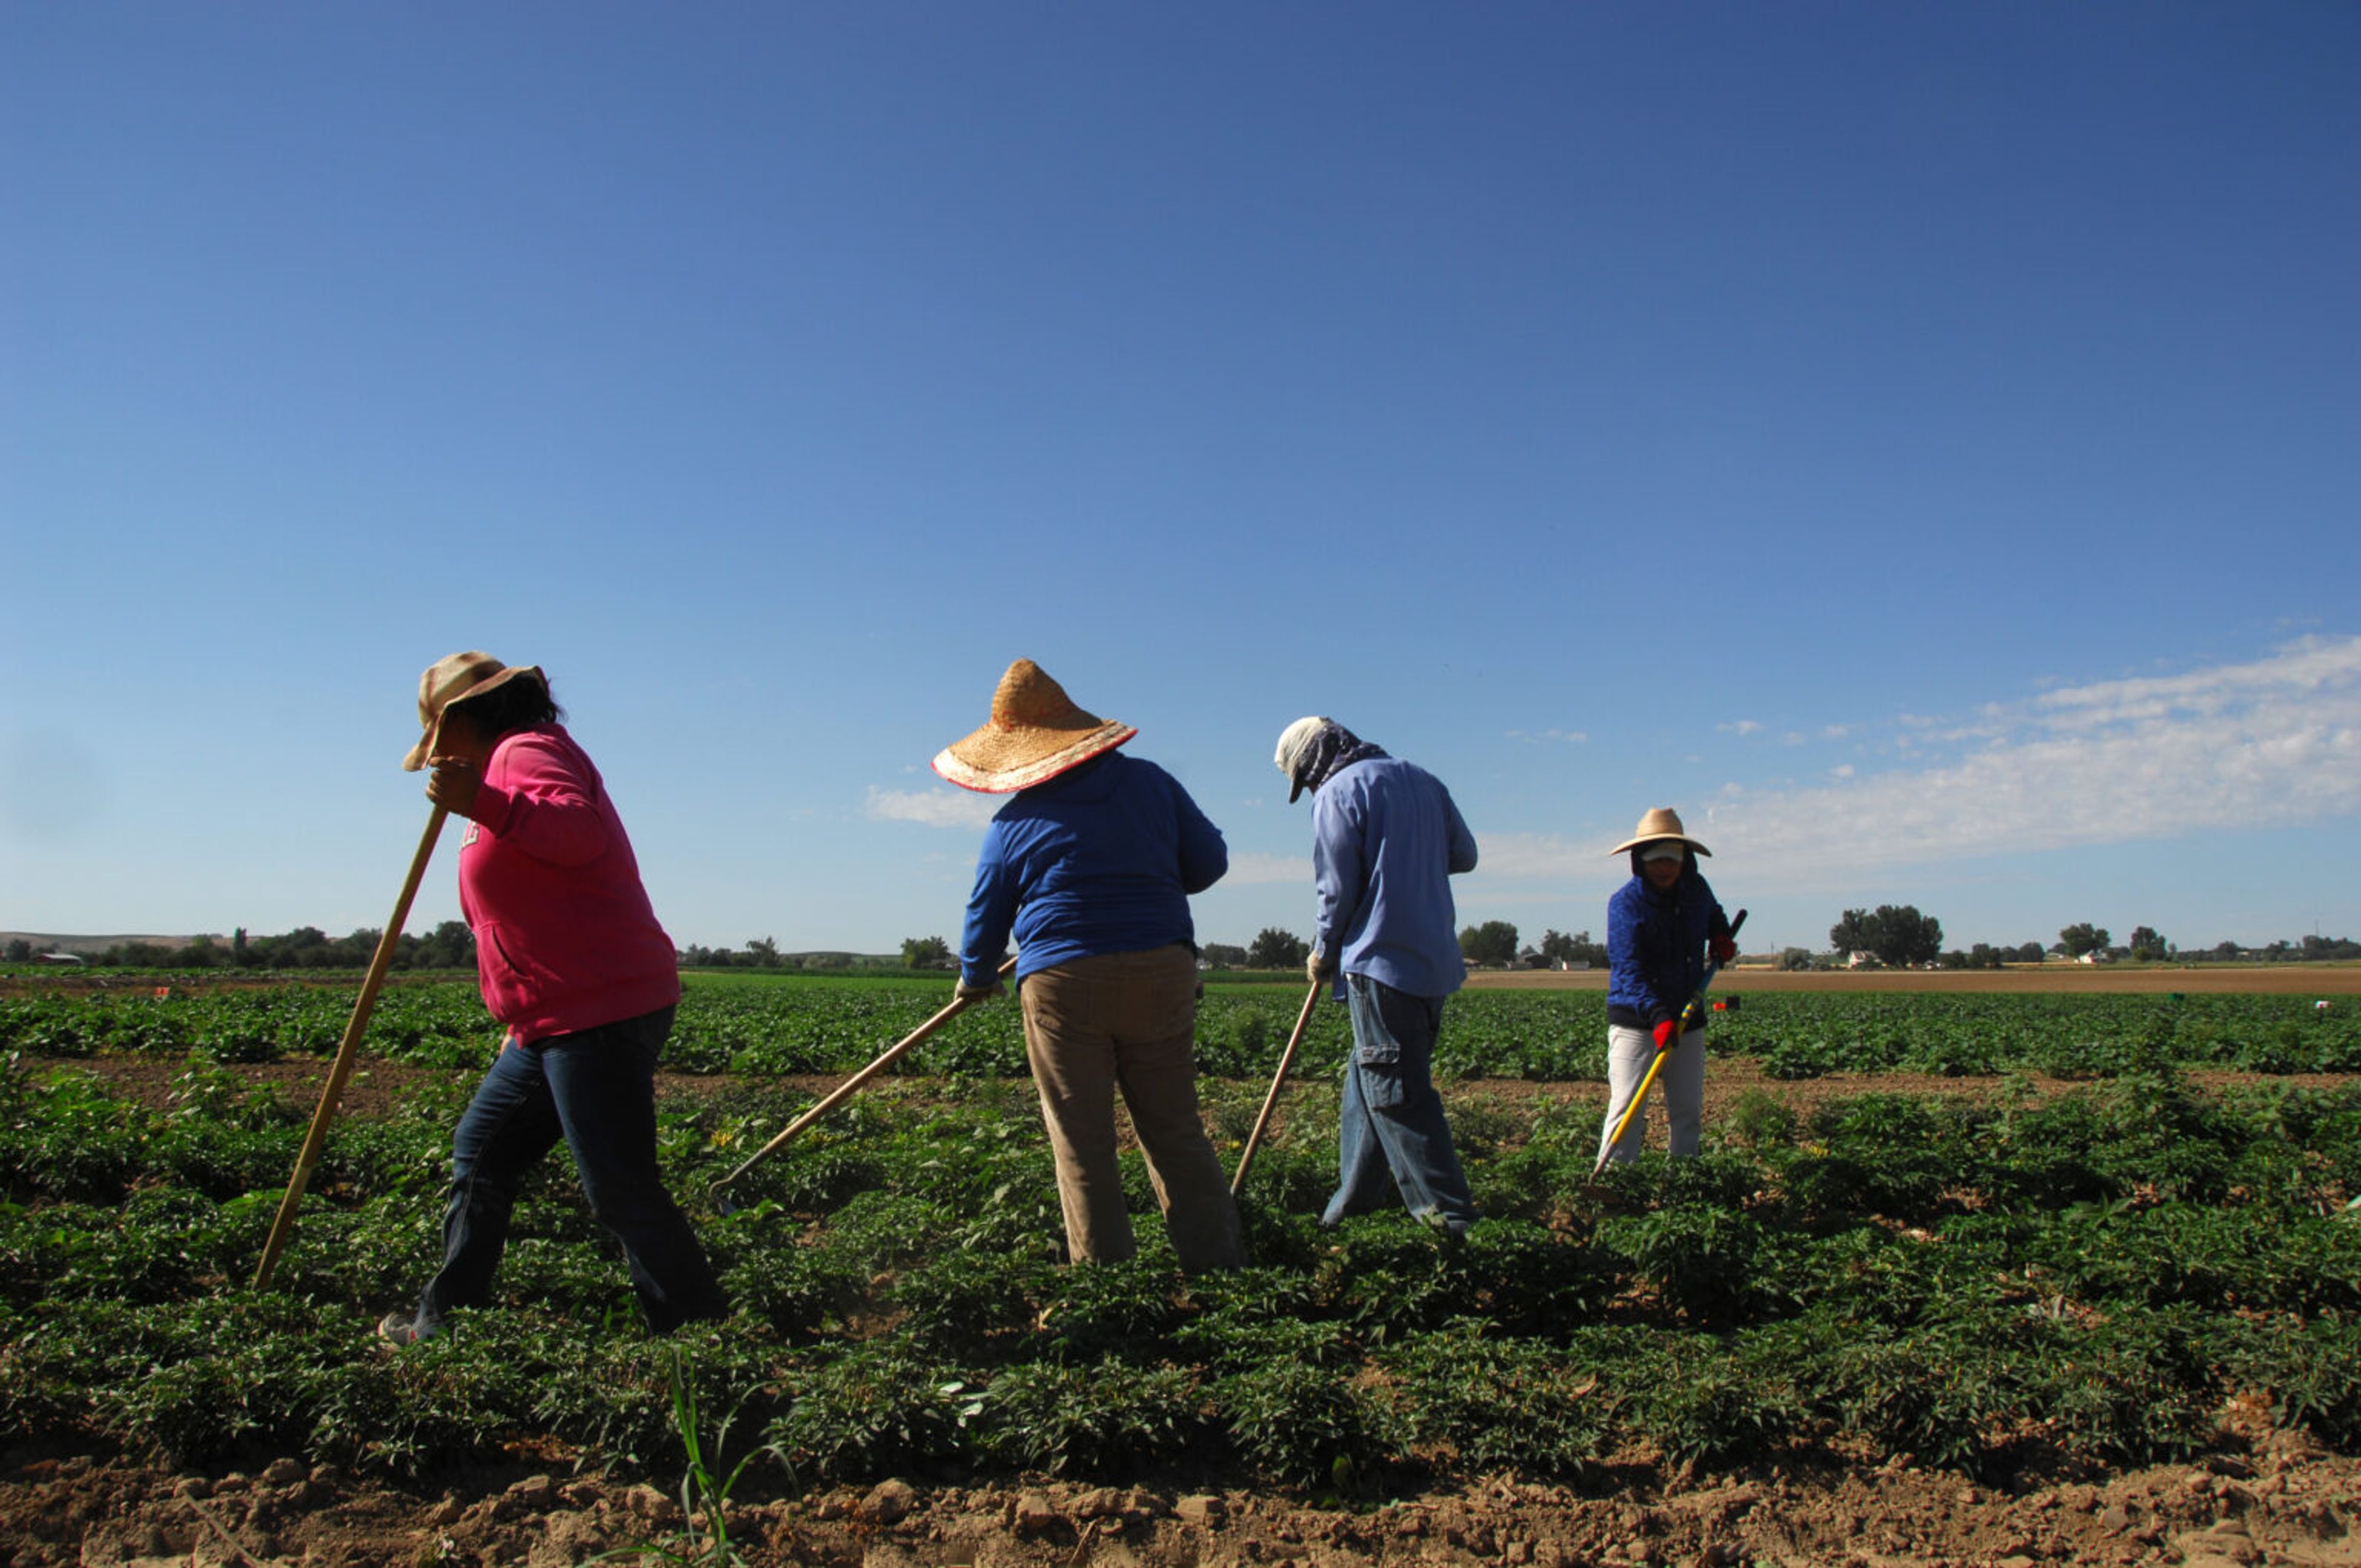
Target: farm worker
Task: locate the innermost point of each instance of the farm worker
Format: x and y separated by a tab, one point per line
1386	840
571	960
1092	863
1661	926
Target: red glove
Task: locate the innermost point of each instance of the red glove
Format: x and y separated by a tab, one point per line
1723	950
1665	1033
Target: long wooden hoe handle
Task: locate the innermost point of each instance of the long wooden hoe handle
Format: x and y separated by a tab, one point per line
347	1049
845	1090
1271	1101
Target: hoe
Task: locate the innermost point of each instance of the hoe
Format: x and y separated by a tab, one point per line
846	1089
347	1049
1286	1058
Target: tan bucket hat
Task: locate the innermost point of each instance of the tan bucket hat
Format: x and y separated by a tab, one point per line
1661	823
1036	733
453	679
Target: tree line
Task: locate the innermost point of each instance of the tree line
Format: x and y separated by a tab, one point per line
1900	936
1895	936
449	945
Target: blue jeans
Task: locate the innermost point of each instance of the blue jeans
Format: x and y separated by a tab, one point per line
1390	1132
595	1089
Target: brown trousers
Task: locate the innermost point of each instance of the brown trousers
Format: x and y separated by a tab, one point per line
1127	1020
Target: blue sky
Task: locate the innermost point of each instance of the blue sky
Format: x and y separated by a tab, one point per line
1918	443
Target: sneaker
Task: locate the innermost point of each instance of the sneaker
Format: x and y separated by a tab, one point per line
399	1328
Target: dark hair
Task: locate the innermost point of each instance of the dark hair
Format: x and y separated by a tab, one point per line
517	704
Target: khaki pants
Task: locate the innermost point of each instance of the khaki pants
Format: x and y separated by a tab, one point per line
1127	1020
1630	1054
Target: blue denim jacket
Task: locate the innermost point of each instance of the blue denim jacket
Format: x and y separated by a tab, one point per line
1101	859
1655	947
1386	840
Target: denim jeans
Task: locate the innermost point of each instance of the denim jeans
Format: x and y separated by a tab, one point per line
1391	1130
596	1090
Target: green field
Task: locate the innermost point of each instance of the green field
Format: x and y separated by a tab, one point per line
788	1024
1999	1283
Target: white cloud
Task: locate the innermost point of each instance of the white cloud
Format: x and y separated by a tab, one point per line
1258	869
1541	870
2314	665
1527	856
2275	742
1740	727
930	807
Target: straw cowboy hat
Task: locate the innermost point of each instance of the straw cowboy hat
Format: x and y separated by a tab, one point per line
1659	824
454	679
1036	733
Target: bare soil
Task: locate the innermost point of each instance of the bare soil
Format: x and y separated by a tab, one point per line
2280	1501
2282	1504
375	1089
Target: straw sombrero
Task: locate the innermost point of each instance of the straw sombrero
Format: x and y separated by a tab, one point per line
1036	733
451	679
1661	823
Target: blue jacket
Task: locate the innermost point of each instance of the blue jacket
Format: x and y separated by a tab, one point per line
1655	947
1101	859
1386	840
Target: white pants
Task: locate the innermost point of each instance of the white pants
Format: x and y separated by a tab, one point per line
1630	1052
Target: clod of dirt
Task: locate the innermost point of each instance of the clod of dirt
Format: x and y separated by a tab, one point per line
889	1502
1105	1503
1033	1514
1200	1510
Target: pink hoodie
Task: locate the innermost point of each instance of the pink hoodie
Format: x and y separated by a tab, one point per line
564	937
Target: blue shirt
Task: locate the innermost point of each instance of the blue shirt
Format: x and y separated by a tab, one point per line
1655	947
1101	859
1386	840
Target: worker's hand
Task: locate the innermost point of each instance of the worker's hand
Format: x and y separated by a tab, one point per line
453	784
1665	1033
973	995
1722	949
1320	966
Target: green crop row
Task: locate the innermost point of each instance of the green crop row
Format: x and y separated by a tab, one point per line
790	1026
2075	1283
